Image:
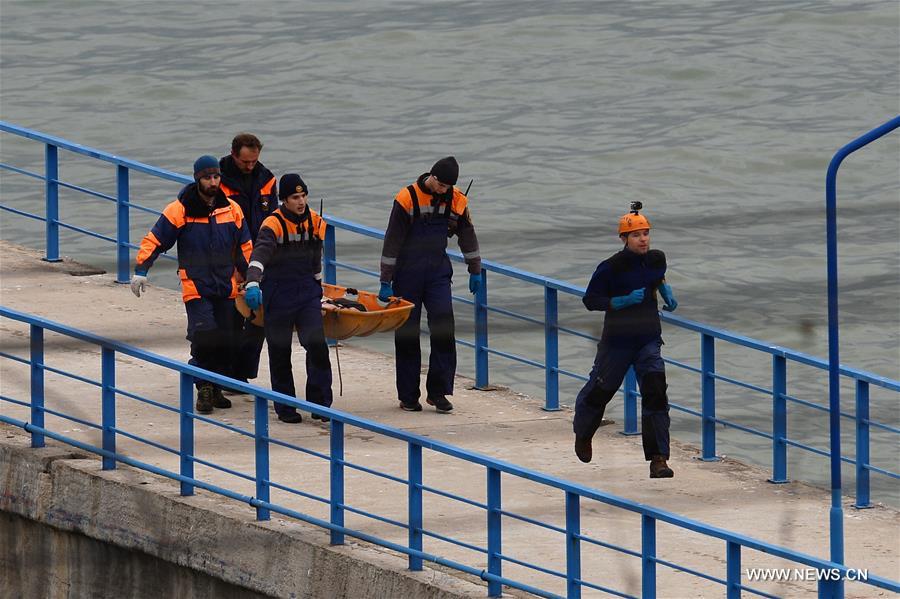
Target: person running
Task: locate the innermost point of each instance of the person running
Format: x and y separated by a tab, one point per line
415	266
624	286
213	248
285	277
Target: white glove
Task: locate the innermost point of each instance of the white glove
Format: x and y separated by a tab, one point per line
138	284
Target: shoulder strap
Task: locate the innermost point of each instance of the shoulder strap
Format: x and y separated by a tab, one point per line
415	200
284	229
309	226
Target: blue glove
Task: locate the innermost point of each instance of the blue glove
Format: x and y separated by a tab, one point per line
623	301
474	283
253	296
386	291
666	292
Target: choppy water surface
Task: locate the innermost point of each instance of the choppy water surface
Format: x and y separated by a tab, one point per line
720	116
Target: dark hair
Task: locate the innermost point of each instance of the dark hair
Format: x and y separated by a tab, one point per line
245	140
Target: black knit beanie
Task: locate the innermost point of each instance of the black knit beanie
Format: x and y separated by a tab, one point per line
446	170
290	184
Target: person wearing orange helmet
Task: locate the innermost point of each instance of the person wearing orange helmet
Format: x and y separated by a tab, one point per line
624	286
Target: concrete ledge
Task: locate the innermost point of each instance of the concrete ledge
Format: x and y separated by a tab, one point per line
139	512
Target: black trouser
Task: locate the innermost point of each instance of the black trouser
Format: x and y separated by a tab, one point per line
210	331
306	317
610	366
248	344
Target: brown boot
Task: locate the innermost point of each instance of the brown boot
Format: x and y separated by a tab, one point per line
659	468
219	400
583	448
205	399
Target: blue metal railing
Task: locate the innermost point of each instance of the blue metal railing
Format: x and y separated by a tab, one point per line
575	496
834	362
781	357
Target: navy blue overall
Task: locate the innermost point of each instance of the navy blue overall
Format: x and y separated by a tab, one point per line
292	298
631	337
210	332
423	276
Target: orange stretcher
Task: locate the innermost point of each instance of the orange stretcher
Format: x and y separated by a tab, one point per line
344	317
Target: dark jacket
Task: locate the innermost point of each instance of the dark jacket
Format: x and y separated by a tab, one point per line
255	193
213	244
415	203
288	247
619	275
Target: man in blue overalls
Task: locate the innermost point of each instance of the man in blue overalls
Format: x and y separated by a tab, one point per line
625	286
415	266
289	250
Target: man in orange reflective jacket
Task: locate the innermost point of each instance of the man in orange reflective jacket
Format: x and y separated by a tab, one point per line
289	251
213	249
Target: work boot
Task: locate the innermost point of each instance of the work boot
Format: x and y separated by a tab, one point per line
290	417
583	448
205	399
441	404
659	469
411	407
322	418
219	400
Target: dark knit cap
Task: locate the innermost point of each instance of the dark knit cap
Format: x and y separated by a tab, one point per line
290	184
205	165
446	170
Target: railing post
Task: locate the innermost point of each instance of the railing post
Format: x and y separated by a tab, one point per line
551	350
836	514
108	405
708	396
630	407
37	384
337	480
494	532
481	334
330	255
779	420
186	405
261	442
648	557
733	570
831	589
573	545
123	229
51	196
862	445
415	504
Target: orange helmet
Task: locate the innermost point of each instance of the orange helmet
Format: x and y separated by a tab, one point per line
633	221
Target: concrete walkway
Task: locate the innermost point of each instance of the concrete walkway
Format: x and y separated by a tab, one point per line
501	424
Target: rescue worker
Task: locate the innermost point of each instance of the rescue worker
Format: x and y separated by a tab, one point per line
213	250
248	182
285	277
624	286
415	266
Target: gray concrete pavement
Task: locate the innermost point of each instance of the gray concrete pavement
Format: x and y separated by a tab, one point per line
500	423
